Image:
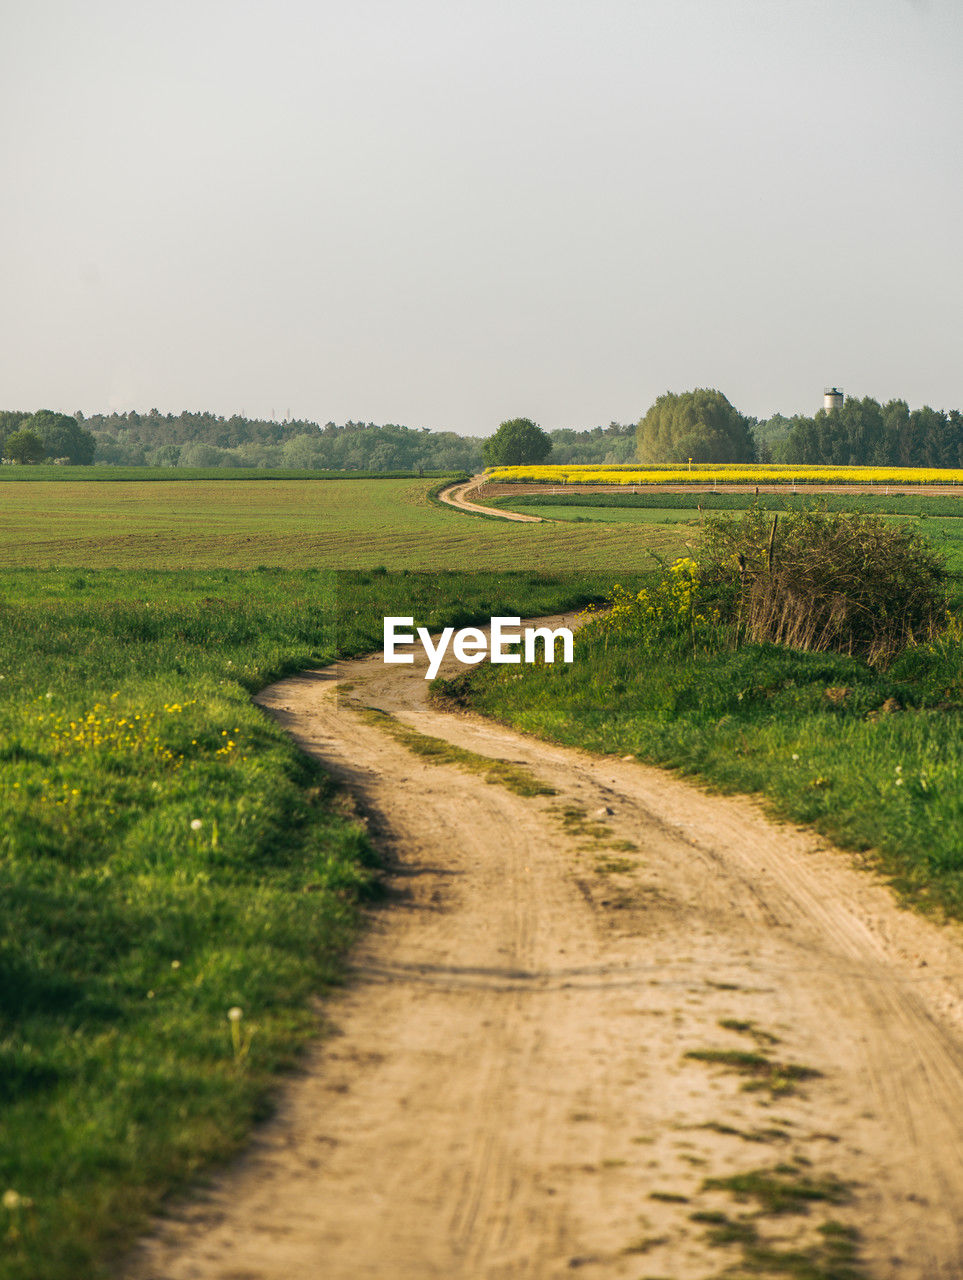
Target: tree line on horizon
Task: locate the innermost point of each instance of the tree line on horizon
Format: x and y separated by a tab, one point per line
704	426
701	424
200	439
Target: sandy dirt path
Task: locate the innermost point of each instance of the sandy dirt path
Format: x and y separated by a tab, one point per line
506	1092
456	495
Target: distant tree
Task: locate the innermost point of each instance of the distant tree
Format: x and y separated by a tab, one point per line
602	445
24	446
62	436
304	451
207	455
10	420
168	455
862	432
516	442
701	425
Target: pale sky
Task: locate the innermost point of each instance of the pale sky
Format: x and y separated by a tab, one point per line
444	213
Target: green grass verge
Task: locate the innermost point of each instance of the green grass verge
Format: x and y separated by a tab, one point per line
872	759
875	503
337	523
166	854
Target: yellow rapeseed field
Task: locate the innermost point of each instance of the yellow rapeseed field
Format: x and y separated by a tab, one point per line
726	473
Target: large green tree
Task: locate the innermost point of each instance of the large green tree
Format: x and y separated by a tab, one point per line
62	436
24	446
701	425
516	442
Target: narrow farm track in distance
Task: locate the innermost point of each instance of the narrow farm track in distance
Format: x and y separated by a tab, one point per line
456	495
507	1093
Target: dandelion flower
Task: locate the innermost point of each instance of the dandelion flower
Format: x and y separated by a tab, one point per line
11	1199
196	824
235	1013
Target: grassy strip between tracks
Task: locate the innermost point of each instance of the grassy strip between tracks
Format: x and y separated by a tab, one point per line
909	504
874	759
439	751
167	855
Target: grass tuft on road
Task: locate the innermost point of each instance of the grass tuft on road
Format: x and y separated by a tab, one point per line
440	751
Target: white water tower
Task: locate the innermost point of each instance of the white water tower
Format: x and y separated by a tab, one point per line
832	398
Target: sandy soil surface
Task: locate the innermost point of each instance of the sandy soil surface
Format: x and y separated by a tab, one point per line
506	1093
456	495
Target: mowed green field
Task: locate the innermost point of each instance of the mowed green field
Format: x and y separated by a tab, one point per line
946	532
295	524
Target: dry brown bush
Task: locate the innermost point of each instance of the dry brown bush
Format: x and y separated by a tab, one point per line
856	584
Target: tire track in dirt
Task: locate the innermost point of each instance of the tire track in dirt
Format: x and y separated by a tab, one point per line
506	1093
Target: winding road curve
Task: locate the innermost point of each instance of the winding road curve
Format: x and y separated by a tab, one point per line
506	1094
455	495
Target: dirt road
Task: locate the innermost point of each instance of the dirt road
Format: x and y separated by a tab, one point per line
507	1093
456	495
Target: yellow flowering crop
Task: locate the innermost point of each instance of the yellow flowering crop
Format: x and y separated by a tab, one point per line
726	473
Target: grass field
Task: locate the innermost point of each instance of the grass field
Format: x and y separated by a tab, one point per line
291	524
166	855
940	519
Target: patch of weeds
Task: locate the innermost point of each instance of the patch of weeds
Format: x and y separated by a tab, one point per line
725	1230
780	1078
503	772
782	1189
576	822
614	866
835	1257
747	1028
748	1135
645	1244
669	1197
